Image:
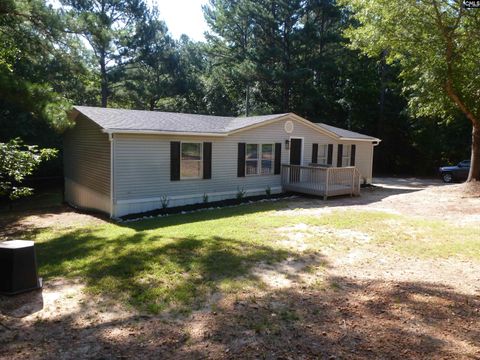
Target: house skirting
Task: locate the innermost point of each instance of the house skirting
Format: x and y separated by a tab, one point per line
133	206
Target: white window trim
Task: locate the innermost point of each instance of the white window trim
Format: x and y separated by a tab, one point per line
346	157
259	159
201	160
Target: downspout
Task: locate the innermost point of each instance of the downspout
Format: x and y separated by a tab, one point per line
112	172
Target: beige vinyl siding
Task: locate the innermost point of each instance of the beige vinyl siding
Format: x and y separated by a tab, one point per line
87	166
142	166
364	160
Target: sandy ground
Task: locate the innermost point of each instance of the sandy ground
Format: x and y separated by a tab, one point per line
429	199
364	303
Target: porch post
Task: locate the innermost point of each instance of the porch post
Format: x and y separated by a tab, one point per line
326	184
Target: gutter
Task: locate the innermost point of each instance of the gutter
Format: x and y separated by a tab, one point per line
373	140
112	171
110	132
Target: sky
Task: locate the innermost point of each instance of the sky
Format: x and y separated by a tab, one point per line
183	17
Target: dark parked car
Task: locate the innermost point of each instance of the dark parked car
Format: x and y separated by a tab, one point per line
458	172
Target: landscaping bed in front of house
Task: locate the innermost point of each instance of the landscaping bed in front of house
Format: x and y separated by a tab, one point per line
205	205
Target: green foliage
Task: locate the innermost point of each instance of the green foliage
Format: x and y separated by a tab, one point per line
150	75
436	44
260	57
32	41
268	191
109	27
240	193
164	201
16	162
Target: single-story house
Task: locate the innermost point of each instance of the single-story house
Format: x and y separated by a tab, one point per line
128	161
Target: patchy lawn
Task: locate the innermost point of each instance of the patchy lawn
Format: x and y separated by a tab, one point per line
368	277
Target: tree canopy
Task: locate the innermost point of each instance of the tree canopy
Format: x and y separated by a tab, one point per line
436	43
404	72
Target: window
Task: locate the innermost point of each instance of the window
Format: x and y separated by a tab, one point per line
191	161
267	159
251	159
322	154
259	159
347	151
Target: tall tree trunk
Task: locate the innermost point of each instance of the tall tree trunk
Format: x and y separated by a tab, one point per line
474	174
247	100
380	158
286	83
104	80
286	96
475	159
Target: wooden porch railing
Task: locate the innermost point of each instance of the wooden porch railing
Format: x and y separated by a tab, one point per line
322	181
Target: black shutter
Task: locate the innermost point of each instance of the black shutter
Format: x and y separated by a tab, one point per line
330	154
339	155
352	155
207	160
278	158
241	160
175	160
314	153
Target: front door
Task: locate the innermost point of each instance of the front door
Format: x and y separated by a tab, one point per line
295	151
295	159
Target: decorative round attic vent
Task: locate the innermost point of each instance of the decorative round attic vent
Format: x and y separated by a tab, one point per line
289	126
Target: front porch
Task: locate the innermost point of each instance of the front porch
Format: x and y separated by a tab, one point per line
320	180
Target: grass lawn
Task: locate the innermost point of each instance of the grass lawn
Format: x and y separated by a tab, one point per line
177	262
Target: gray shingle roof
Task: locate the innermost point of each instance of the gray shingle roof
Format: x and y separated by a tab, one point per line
345	133
141	120
118	119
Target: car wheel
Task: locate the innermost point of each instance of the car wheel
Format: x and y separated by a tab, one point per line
447	177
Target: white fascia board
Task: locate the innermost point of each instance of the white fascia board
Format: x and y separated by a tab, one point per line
153	132
357	139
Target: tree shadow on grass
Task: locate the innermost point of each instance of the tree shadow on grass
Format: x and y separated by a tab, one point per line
347	319
150	272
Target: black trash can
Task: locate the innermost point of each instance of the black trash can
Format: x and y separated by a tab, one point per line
18	267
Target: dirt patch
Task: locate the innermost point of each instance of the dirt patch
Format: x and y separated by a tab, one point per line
458	204
289	273
297	236
56	218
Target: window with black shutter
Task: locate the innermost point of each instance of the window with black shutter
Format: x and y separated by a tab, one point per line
314	153
330	154
339	155
175	160
278	158
207	160
352	155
